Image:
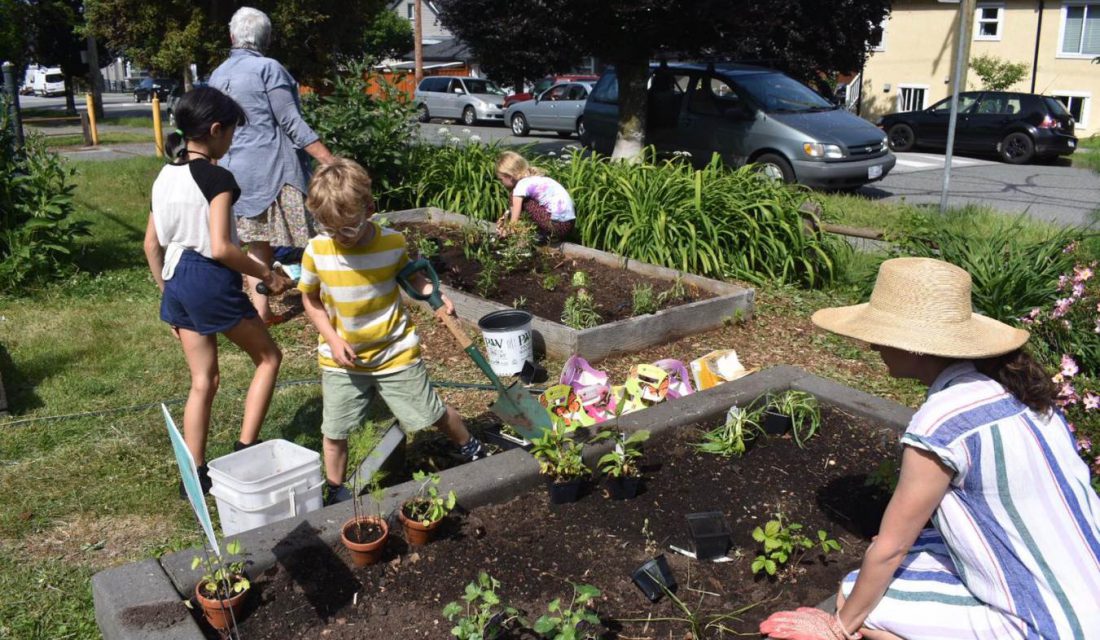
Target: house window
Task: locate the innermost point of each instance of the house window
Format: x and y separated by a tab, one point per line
989	21
1077	104
1080	30
911	97
879	44
409	10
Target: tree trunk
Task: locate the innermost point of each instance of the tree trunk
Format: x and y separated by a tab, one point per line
70	102
517	84
95	80
630	140
188	81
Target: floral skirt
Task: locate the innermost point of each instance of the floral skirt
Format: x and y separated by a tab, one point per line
548	229
286	223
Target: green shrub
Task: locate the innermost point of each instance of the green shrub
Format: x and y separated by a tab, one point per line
378	132
37	232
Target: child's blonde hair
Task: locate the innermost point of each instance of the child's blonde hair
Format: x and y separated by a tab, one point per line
339	193
515	166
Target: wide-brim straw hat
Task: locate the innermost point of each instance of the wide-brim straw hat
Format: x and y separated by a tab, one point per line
922	305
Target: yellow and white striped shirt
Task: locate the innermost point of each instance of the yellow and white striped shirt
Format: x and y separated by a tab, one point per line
359	290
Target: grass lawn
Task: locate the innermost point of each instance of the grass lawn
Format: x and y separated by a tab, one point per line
105	138
85	493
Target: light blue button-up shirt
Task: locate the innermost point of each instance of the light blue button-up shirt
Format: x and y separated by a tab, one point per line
266	152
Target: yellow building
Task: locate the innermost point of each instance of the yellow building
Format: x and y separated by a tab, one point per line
1058	40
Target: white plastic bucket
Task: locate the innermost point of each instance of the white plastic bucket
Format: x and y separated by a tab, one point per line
508	344
271	481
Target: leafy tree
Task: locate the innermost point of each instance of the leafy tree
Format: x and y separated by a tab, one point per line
512	43
14	40
388	36
998	74
58	39
806	38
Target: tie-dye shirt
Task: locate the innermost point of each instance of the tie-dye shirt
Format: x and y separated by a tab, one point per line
548	193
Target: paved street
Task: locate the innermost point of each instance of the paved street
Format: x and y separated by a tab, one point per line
1051	191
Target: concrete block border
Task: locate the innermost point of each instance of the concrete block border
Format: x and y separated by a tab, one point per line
123	593
624	336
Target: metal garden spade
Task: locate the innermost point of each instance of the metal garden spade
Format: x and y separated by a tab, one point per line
514	404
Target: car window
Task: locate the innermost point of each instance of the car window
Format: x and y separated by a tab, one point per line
999	104
778	93
1056	107
576	92
966	100
542	85
606	90
456	86
676	83
556	92
713	96
483	87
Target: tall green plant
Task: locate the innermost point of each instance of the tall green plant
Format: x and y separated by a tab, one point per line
38	236
377	131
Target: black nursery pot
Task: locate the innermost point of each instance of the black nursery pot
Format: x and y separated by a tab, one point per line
564	492
711	534
652	575
505	441
623	488
776	424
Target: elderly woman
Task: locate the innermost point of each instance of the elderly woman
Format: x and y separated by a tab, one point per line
1014	548
266	157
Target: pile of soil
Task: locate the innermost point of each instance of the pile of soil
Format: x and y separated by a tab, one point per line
536	549
611	288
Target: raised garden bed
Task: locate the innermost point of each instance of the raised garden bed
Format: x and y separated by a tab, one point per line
612	279
301	557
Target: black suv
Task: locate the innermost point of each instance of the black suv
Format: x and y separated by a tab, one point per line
1018	127
144	90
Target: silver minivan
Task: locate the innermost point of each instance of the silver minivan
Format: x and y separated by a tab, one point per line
469	99
747	114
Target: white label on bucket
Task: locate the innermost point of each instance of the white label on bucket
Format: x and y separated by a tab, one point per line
508	350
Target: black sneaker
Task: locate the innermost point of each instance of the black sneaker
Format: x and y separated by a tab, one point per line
240	446
204	482
473	450
335	494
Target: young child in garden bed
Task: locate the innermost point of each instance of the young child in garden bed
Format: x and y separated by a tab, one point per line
192	249
543	199
368	345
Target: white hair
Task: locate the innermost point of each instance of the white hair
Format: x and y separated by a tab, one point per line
250	29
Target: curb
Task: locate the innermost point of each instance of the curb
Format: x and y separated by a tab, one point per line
491	480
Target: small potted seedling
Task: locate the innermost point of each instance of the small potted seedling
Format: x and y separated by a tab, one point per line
794	411
735	436
365	535
222	589
621	464
422	514
559	458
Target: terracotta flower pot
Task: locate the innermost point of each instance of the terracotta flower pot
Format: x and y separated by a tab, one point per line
217	611
416	532
365	553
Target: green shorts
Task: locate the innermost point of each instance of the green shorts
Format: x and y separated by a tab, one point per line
407	393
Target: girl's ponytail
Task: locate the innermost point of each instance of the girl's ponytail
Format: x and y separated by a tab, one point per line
176	144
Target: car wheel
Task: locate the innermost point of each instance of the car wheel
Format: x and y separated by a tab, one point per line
519	125
1017	148
775	167
137	98
469	117
581	131
422	113
565	134
901	137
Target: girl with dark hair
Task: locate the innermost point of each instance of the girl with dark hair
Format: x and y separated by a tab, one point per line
194	255
1014	547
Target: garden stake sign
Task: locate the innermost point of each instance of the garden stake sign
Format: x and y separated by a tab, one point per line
514	405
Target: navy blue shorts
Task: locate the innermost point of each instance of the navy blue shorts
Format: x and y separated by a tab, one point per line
204	296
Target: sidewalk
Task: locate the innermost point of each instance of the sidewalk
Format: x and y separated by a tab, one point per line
109	152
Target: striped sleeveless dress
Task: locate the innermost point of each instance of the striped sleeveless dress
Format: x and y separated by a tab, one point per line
1015	549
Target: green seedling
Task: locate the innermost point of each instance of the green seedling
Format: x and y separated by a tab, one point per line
741	427
573	622
216	575
784	543
484	614
643	299
427	506
622	461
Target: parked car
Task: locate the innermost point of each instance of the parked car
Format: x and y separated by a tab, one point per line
546	83
1018	127
746	114
162	86
470	99
49	82
558	109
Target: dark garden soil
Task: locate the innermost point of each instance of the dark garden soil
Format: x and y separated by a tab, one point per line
528	287
536	549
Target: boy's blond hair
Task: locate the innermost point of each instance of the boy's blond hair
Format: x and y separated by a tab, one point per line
515	166
339	193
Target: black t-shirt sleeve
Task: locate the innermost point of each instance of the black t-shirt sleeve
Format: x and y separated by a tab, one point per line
214	180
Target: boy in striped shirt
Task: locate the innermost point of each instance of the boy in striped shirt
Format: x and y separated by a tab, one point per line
367	344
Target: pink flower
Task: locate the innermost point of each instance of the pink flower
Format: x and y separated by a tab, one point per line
1061	307
1063	280
1058	378
1091	401
1070	248
1067	395
1084	443
1078	289
1081	274
1069	366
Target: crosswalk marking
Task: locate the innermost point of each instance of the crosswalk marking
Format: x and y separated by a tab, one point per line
911	162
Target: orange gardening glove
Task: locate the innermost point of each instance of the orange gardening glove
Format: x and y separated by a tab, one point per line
805	623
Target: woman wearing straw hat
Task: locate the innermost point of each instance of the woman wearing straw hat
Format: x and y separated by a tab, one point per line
1014	551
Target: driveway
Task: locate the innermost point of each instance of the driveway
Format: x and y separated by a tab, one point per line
1052	191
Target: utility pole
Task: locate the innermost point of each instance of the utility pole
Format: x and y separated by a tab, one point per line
962	61
95	81
418	45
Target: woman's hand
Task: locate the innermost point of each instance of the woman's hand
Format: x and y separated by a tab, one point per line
448	306
342	352
805	623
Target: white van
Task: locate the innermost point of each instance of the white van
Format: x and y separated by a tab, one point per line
49	82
